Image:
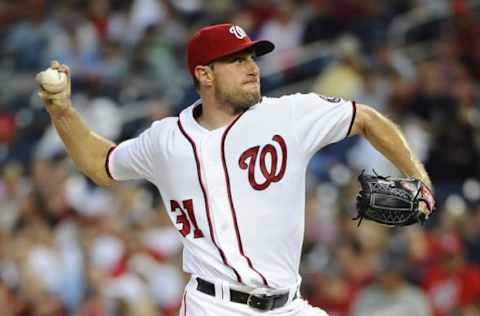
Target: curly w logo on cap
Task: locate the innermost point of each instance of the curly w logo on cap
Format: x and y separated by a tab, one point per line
237	31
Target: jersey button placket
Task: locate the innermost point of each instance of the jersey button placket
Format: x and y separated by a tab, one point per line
214	187
205	161
218	193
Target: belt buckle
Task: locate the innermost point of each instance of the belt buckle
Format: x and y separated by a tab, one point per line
259	300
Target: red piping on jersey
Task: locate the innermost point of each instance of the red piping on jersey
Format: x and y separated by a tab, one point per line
354	105
107	160
230	200
185	303
204	192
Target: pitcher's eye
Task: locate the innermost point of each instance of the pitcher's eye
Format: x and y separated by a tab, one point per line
239	59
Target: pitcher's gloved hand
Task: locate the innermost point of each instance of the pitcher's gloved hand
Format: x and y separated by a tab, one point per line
393	201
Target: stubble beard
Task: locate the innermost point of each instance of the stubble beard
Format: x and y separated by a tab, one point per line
239	100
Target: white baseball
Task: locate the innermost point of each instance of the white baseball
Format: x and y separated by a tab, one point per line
53	81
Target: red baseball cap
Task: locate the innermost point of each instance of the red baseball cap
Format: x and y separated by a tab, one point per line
220	40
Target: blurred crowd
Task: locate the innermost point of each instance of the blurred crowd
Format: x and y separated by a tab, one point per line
68	247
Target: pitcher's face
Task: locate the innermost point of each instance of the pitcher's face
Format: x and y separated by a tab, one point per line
237	81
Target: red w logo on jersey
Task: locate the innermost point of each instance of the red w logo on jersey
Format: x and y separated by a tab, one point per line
248	159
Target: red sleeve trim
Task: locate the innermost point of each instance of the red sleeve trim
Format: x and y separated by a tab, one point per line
107	169
354	105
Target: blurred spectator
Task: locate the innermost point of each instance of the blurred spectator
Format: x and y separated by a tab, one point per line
75	42
285	30
335	286
153	59
390	294
11	12
323	25
465	28
472	236
100	112
118	22
454	153
261	11
27	41
13	192
98	13
7	128
344	78
141	15
452	285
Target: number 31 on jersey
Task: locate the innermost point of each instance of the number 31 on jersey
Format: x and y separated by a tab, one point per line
186	221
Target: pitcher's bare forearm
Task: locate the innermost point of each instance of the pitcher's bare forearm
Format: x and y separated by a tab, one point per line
86	148
389	140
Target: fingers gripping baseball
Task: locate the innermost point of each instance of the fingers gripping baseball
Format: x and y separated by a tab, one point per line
55	86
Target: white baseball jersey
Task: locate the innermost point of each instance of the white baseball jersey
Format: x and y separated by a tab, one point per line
237	193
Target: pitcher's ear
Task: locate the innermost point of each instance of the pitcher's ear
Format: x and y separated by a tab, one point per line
204	75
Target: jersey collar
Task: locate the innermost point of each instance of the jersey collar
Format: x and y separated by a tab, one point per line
190	124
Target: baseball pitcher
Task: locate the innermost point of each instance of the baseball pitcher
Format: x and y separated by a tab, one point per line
231	171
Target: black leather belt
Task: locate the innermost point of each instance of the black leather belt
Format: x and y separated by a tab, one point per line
262	302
